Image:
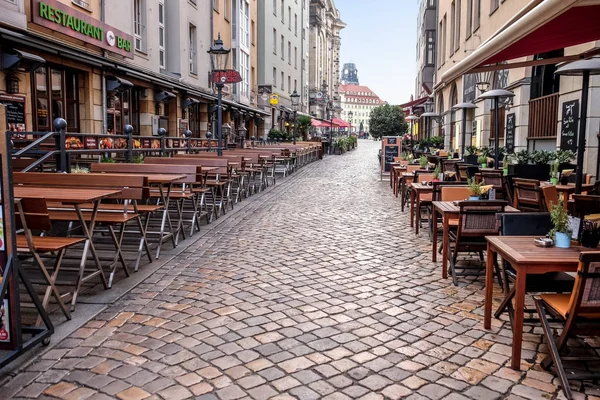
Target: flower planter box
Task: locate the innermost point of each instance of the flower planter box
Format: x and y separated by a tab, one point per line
471	159
530	171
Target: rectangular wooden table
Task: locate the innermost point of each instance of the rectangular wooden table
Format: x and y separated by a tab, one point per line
75	197
447	210
416	193
526	258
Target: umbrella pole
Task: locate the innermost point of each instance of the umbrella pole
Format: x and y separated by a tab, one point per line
582	129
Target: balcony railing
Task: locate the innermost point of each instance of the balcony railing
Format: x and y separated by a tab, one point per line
543	116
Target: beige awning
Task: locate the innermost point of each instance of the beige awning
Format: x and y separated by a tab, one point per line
547	26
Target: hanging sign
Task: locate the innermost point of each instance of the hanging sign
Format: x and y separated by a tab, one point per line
226	76
510	133
569	125
274	99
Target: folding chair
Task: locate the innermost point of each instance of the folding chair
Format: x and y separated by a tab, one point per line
529	224
476	220
579	313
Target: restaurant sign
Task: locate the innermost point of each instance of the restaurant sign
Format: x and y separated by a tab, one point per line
64	19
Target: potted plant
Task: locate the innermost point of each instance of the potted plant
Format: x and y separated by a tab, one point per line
590	235
423	162
482	160
561	231
471	154
508	160
554	172
475	189
523	168
436	173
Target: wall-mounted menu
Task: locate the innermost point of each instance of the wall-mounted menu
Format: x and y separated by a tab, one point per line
569	125
15	112
510	133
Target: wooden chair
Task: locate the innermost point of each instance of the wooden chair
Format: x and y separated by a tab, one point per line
528	224
527	195
425	199
32	213
496	179
550	197
461	171
579	313
586	207
476	220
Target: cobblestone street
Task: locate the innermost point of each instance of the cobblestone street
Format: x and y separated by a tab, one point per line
318	288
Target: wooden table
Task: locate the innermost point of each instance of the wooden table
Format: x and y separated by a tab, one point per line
417	190
75	197
447	210
526	258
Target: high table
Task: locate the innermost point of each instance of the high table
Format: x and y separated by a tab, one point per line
448	210
75	198
526	258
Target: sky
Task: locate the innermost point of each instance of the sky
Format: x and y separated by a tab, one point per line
380	38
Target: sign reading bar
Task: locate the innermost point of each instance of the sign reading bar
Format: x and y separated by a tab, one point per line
510	133
391	149
569	125
226	76
64	19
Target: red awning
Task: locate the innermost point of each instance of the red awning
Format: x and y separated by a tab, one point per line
316	123
341	123
414	103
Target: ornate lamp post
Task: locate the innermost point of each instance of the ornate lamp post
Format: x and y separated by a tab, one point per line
218	57
295	98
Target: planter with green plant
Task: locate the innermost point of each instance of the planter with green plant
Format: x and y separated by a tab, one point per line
561	233
554	174
540	170
470	155
423	162
482	161
107	159
436	173
475	189
590	234
508	160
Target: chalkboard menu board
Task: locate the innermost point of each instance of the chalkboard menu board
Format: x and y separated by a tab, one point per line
569	125
391	149
15	112
510	133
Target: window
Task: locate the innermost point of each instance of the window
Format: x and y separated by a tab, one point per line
274	77
289	83
289	53
282	47
440	36
295	85
296	24
244	69
469	28
215	5
296	57
476	14
244	23
444	27
494	4
274	41
274	7
252	34
283	11
139	23
290	18
282	82
80	3
226	8
56	95
193	50
452	27
161	35
457	31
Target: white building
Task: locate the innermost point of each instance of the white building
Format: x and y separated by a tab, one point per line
360	100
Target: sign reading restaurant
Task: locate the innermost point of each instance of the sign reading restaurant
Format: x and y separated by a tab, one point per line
64	19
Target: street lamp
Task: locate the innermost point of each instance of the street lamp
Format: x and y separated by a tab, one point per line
465	107
496	95
218	57
350	117
483	80
295	98
329	109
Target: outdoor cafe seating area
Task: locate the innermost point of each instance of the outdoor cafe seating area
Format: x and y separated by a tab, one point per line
530	244
82	231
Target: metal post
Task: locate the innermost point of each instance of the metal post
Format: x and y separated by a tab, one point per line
496	135
582	131
188	136
220	119
162	132
464	132
128	129
60	125
295	126
331	137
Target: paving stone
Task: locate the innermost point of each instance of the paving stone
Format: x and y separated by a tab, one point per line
262	392
231	393
175	392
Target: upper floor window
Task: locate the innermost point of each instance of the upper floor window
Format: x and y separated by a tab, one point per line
283	11
162	43
476	14
193	50
494	4
139	24
274	7
81	3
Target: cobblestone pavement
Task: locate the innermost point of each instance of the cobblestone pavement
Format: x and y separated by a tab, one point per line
317	289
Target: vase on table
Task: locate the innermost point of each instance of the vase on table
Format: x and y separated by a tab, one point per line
562	240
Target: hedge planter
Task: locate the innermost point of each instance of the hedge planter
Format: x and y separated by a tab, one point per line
471	159
530	171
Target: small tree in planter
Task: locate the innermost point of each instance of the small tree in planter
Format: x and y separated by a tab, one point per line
508	160
423	162
475	189
554	173
561	231
482	160
436	173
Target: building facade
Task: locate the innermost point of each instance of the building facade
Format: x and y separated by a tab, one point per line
482	41
426	44
283	44
324	70
360	100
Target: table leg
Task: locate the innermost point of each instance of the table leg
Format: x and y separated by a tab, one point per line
417	212
403	194
445	245
434	238
517	319
489	287
412	208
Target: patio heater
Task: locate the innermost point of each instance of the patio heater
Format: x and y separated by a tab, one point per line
412	118
496	95
218	57
583	68
465	107
295	98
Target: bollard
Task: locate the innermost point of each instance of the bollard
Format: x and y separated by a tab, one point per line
253	139
128	129
188	136
60	126
209	136
162	133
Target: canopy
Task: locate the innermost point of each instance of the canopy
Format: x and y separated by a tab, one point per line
341	123
414	103
551	25
315	122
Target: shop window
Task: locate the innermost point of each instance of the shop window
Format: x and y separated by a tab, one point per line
543	80
118	111
55	96
193	115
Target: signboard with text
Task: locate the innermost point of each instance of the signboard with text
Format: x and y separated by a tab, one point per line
61	18
569	125
510	133
226	76
391	148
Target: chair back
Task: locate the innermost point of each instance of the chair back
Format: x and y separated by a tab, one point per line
454	193
478	218
448	165
528	195
525	224
421	176
585	297
437	188
461	172
412	168
493	178
550	196
32	213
